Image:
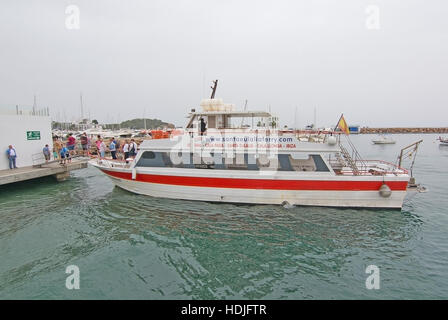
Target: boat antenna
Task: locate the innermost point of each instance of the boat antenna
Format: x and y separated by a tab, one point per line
245	109
215	85
295	119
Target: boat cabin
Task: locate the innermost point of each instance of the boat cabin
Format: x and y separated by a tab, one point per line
229	119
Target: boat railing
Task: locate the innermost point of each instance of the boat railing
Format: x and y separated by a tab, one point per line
353	158
113	163
264	130
372	167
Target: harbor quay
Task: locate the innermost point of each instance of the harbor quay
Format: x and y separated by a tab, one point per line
60	172
27	133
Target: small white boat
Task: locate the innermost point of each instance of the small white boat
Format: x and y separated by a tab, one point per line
383	140
443	141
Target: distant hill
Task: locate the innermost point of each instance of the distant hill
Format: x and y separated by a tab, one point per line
150	124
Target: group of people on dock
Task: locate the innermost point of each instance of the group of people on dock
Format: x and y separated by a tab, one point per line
119	150
64	151
61	151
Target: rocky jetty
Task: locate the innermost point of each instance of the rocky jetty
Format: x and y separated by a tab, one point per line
403	130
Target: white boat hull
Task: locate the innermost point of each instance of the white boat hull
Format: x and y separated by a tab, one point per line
383	142
327	198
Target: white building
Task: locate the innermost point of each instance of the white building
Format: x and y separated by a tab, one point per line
27	133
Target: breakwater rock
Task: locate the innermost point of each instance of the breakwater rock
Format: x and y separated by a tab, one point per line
403	130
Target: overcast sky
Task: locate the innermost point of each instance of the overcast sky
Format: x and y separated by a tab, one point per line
158	58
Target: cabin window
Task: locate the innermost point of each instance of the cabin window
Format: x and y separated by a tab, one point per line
151	159
166	159
266	162
211	121
314	162
251	161
184	160
281	162
148	155
236	162
285	163
320	164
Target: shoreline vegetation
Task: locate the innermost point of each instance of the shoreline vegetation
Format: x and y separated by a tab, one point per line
367	130
134	124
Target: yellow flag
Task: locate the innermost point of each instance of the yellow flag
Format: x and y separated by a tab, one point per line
343	125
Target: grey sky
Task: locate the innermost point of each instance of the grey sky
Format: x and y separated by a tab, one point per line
161	56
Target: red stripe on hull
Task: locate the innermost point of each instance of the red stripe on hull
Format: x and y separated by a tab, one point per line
324	185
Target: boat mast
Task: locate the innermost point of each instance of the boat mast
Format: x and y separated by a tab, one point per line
82	111
215	85
34	106
295	119
245	108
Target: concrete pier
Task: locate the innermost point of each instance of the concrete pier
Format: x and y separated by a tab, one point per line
60	172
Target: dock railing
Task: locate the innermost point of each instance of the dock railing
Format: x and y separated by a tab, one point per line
38	159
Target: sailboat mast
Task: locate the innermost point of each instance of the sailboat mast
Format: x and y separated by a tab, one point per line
82	111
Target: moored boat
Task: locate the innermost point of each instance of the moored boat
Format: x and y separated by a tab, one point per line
258	164
443	141
383	140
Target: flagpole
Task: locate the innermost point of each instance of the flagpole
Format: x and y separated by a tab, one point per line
338	122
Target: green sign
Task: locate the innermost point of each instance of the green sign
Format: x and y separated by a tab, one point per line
33	135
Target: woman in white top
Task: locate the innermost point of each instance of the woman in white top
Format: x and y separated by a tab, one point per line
102	149
126	150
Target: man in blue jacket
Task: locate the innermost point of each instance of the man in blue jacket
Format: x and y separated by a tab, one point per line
12	155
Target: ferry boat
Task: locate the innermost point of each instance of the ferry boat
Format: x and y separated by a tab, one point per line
242	157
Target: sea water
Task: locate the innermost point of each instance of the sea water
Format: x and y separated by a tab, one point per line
128	246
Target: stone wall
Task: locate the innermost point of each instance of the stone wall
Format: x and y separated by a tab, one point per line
404	130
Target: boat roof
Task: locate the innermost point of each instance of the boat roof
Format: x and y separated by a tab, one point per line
263	114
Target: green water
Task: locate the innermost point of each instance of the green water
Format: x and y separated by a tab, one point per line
129	246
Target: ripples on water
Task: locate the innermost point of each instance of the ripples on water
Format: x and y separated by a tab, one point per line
138	247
